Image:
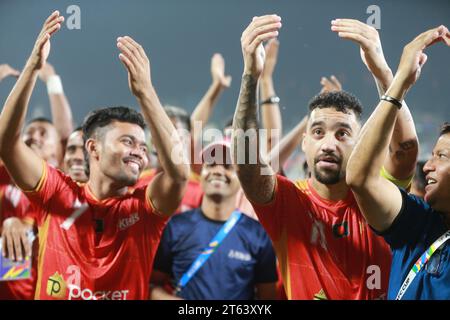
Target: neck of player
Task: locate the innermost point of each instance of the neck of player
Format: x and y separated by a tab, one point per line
333	192
218	208
103	187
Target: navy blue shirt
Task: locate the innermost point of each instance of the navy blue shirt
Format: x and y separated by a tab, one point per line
413	231
244	258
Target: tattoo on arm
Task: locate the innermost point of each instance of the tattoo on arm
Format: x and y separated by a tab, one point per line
258	187
247	111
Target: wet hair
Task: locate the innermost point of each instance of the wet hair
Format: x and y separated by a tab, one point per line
180	115
101	118
342	101
445	128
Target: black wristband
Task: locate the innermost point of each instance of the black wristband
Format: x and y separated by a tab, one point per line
271	100
394	101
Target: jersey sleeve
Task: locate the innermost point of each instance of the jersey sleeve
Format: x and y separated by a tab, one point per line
266	266
412	222
53	189
273	216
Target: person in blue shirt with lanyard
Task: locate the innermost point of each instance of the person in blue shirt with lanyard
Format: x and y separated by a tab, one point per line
418	231
215	252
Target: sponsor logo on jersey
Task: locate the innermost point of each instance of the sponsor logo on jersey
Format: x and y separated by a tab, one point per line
56	286
128	222
233	254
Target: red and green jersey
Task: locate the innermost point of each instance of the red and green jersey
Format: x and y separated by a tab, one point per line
325	249
92	249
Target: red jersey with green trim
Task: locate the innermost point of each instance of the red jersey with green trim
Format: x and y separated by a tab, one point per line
13	203
91	249
325	249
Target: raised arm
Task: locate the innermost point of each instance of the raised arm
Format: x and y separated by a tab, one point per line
167	188
220	82
287	145
59	105
270	108
256	177
404	145
7	71
22	163
379	200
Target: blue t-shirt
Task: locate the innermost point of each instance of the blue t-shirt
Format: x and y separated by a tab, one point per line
413	231
244	258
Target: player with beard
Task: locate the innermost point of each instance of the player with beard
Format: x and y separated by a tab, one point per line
324	247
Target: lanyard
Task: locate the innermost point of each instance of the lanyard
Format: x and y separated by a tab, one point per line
420	263
209	250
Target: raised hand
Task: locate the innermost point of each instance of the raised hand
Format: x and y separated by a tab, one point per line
329	85
259	30
6	71
41	48
218	71
271	50
413	56
46	71
368	39
137	64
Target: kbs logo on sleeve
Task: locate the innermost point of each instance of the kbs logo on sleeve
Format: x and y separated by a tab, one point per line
70	288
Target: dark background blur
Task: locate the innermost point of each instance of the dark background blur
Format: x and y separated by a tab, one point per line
180	37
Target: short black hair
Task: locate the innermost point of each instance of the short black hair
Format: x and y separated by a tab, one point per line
179	114
445	128
342	101
103	117
40	119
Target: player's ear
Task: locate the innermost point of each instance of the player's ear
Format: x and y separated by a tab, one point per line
92	147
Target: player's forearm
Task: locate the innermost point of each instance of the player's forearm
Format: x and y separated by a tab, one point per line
288	144
404	145
270	114
14	111
61	115
251	169
164	137
369	154
203	110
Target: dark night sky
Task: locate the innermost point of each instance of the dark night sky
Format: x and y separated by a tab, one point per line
181	36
